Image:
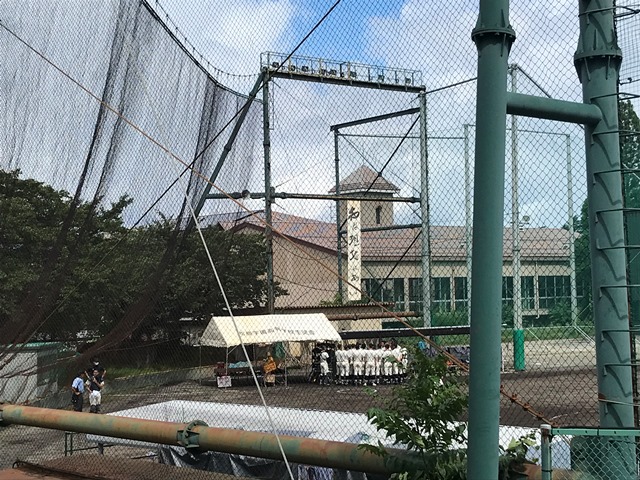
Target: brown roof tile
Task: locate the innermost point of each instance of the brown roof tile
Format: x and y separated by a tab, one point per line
447	242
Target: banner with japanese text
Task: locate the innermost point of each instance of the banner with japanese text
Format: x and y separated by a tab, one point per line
354	257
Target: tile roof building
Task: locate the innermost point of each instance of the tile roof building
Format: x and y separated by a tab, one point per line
305	263
305	257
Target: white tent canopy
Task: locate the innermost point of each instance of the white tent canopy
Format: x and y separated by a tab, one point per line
221	331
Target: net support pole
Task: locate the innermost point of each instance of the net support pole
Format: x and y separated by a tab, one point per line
424	211
468	209
518	330
336	153
597	60
493	37
226	149
545	452
268	216
572	247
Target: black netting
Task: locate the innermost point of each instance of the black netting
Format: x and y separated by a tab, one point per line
120	118
119	129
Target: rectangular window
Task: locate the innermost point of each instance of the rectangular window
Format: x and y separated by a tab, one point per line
398	294
581	289
460	285
507	291
390	290
415	295
441	287
527	293
553	290
371	288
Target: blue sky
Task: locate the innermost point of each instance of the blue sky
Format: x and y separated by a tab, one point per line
433	37
232	39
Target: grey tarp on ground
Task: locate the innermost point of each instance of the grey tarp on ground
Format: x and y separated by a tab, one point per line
323	425
243	466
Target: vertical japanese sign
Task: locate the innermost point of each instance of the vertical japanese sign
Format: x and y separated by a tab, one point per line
354	257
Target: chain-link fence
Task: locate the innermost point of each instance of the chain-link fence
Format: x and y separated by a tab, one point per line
591	452
326	150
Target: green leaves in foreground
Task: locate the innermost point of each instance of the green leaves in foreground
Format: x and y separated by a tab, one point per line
422	416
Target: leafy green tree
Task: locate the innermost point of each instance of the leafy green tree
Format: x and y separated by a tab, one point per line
560	314
102	267
423	416
31	216
30	232
192	288
583	264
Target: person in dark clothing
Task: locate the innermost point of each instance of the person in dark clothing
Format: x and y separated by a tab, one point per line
95	365
96	383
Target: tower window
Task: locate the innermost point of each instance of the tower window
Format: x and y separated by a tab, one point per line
378	215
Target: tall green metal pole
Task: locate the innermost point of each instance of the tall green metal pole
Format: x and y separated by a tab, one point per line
518	330
268	231
572	247
493	37
597	61
424	211
336	153
468	189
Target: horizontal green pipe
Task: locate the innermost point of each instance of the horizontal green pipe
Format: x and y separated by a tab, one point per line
307	451
551	109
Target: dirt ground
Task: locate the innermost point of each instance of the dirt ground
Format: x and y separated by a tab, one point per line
566	397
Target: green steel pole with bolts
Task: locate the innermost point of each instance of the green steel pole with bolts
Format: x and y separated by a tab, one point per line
597	62
493	37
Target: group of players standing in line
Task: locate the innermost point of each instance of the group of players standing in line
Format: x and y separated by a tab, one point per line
359	364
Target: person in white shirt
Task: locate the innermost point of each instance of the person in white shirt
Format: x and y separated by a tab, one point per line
324	367
358	365
342	366
350	356
379	357
395	366
77	391
404	363
370	365
387	364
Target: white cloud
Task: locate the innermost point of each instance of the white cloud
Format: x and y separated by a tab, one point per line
231	39
435	39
